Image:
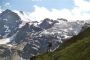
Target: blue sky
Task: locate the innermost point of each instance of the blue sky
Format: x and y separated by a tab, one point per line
40	9
27	5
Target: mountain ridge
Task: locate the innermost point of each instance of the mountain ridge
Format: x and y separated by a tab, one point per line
76	48
28	39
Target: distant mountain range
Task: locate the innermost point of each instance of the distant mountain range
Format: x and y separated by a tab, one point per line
75	48
24	40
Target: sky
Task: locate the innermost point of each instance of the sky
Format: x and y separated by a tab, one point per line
28	5
40	9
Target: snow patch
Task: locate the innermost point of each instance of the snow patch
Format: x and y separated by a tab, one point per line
5	40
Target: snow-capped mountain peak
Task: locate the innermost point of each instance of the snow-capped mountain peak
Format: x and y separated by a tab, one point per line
33	37
9	23
24	16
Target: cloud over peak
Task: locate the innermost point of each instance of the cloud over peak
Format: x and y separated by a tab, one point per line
79	12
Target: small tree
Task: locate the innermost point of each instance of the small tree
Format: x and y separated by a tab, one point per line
49	45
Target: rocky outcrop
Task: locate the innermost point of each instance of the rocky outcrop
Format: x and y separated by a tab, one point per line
30	39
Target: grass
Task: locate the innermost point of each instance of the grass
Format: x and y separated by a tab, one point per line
76	48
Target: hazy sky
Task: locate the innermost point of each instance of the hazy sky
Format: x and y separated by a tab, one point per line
28	5
40	9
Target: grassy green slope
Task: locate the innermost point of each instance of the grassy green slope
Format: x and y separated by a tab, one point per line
76	48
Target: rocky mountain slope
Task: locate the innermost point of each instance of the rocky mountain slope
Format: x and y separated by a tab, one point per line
22	40
76	48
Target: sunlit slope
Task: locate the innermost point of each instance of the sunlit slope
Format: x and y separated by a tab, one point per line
76	48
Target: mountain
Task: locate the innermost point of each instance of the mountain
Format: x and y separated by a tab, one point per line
47	23
9	23
76	48
23	40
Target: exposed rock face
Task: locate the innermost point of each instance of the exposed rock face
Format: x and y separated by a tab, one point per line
31	40
4	53
8	54
9	23
47	23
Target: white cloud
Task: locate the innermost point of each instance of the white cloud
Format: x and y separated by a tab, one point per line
83	4
79	12
7	4
0	9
